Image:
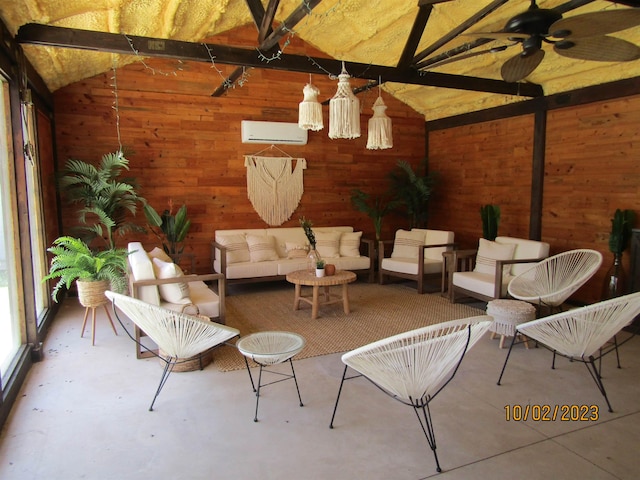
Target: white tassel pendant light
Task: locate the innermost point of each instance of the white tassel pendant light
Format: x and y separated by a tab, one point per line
380	135
310	109
344	110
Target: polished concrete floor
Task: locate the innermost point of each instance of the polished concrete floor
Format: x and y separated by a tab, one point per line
83	413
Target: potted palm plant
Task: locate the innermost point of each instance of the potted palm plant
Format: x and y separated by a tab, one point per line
621	226
412	190
106	200
490	215
94	272
376	209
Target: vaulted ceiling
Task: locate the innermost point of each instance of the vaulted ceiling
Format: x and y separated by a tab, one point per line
394	41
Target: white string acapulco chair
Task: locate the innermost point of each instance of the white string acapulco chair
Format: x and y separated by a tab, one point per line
581	334
413	367
178	335
550	282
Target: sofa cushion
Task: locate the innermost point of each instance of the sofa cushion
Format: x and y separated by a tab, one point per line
284	235
410	265
489	252
407	243
262	248
328	244
171	292
236	246
350	244
435	237
482	283
525	249
295	250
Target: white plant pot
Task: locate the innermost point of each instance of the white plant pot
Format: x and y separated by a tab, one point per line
319	272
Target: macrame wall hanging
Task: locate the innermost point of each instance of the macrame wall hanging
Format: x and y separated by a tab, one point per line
274	186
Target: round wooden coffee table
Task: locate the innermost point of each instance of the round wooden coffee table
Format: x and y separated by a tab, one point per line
308	278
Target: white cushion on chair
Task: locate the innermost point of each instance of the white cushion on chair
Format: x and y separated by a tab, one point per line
489	252
142	269
407	244
525	249
171	292
157	252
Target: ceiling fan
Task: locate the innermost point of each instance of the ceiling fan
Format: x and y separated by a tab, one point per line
583	37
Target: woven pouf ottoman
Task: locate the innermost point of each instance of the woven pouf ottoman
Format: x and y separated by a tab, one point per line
506	315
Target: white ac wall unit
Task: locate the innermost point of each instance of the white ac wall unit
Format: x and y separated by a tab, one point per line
272	132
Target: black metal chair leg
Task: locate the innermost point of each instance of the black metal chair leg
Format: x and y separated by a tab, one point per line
255	418
427	429
253	386
513	341
598	379
168	368
344	374
296	382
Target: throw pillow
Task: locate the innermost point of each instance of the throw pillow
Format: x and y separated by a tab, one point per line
489	252
328	244
407	244
295	250
159	253
237	248
171	292
262	248
350	244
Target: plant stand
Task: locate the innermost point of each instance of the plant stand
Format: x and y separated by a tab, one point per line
93	322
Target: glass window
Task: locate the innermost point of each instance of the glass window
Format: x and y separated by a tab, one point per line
10	331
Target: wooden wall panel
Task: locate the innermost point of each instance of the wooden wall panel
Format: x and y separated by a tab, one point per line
478	164
592	167
187	144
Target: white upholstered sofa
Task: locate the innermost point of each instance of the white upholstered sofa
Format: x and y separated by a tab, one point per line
155	279
257	255
417	253
485	273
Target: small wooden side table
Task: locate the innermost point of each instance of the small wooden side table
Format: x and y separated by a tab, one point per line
308	278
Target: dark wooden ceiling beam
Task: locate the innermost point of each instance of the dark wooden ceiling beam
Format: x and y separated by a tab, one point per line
267	19
261	18
419	24
471	21
47	35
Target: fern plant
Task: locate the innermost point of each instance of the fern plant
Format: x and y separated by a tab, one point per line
106	202
173	229
74	260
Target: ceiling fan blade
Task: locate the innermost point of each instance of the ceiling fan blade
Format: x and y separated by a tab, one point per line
598	49
499	35
468	55
519	67
595	23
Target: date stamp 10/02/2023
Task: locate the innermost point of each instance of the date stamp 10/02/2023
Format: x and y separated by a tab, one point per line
551	413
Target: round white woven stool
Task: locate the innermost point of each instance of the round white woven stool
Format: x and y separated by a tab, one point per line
507	314
271	348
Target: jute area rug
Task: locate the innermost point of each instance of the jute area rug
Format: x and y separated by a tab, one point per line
377	311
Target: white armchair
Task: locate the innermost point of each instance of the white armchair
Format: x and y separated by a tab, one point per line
416	254
485	273
154	279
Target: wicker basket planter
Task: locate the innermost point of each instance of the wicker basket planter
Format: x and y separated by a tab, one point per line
91	293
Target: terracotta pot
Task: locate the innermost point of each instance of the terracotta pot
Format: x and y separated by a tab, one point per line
329	269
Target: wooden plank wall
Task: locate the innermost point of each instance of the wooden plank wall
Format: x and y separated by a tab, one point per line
592	167
187	145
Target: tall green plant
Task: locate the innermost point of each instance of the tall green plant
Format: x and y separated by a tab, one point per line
621	225
105	200
375	208
412	189
490	215
173	229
